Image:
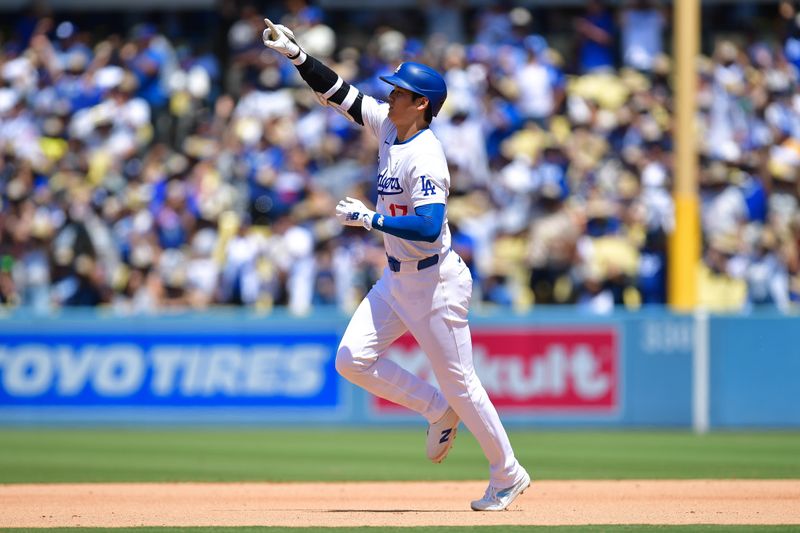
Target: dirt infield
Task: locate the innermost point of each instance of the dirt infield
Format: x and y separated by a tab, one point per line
397	504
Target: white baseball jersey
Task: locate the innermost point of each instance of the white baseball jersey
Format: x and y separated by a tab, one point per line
411	174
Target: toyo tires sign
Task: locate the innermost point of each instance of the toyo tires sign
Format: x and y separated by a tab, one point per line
169	370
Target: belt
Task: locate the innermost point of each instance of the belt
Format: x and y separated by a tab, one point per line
395	265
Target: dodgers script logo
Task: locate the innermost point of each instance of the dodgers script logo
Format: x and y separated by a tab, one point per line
388	185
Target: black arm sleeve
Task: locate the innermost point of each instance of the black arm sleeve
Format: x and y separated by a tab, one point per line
322	79
318	76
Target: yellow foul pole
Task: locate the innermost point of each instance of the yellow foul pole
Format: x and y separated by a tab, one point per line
684	243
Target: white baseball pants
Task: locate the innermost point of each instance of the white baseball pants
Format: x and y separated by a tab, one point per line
432	304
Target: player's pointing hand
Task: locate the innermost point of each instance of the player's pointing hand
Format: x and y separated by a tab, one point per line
282	40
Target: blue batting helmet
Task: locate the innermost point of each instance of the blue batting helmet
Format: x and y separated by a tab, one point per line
420	79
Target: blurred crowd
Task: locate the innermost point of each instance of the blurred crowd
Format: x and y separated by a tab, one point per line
144	174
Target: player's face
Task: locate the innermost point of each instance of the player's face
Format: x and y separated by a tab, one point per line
403	106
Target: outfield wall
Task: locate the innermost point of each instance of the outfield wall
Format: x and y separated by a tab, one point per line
552	368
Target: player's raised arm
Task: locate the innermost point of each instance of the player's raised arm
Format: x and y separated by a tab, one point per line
329	87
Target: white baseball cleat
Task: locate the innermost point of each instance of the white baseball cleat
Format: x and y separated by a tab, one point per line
499	499
441	435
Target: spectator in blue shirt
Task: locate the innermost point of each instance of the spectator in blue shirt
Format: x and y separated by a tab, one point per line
596	31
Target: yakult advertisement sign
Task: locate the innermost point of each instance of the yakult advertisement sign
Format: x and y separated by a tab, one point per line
538	372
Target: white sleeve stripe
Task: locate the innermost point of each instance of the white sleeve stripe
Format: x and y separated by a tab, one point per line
350	98
330	92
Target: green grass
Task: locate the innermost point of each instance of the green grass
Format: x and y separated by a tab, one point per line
111	455
460	529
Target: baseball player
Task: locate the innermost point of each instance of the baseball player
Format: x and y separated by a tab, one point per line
426	288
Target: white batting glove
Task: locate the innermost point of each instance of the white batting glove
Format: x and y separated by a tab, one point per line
352	212
282	40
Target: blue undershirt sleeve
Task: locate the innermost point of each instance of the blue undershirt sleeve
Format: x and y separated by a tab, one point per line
424	225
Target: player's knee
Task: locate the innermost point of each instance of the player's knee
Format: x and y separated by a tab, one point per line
347	365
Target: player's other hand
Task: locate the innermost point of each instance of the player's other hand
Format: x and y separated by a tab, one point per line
352	212
282	40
